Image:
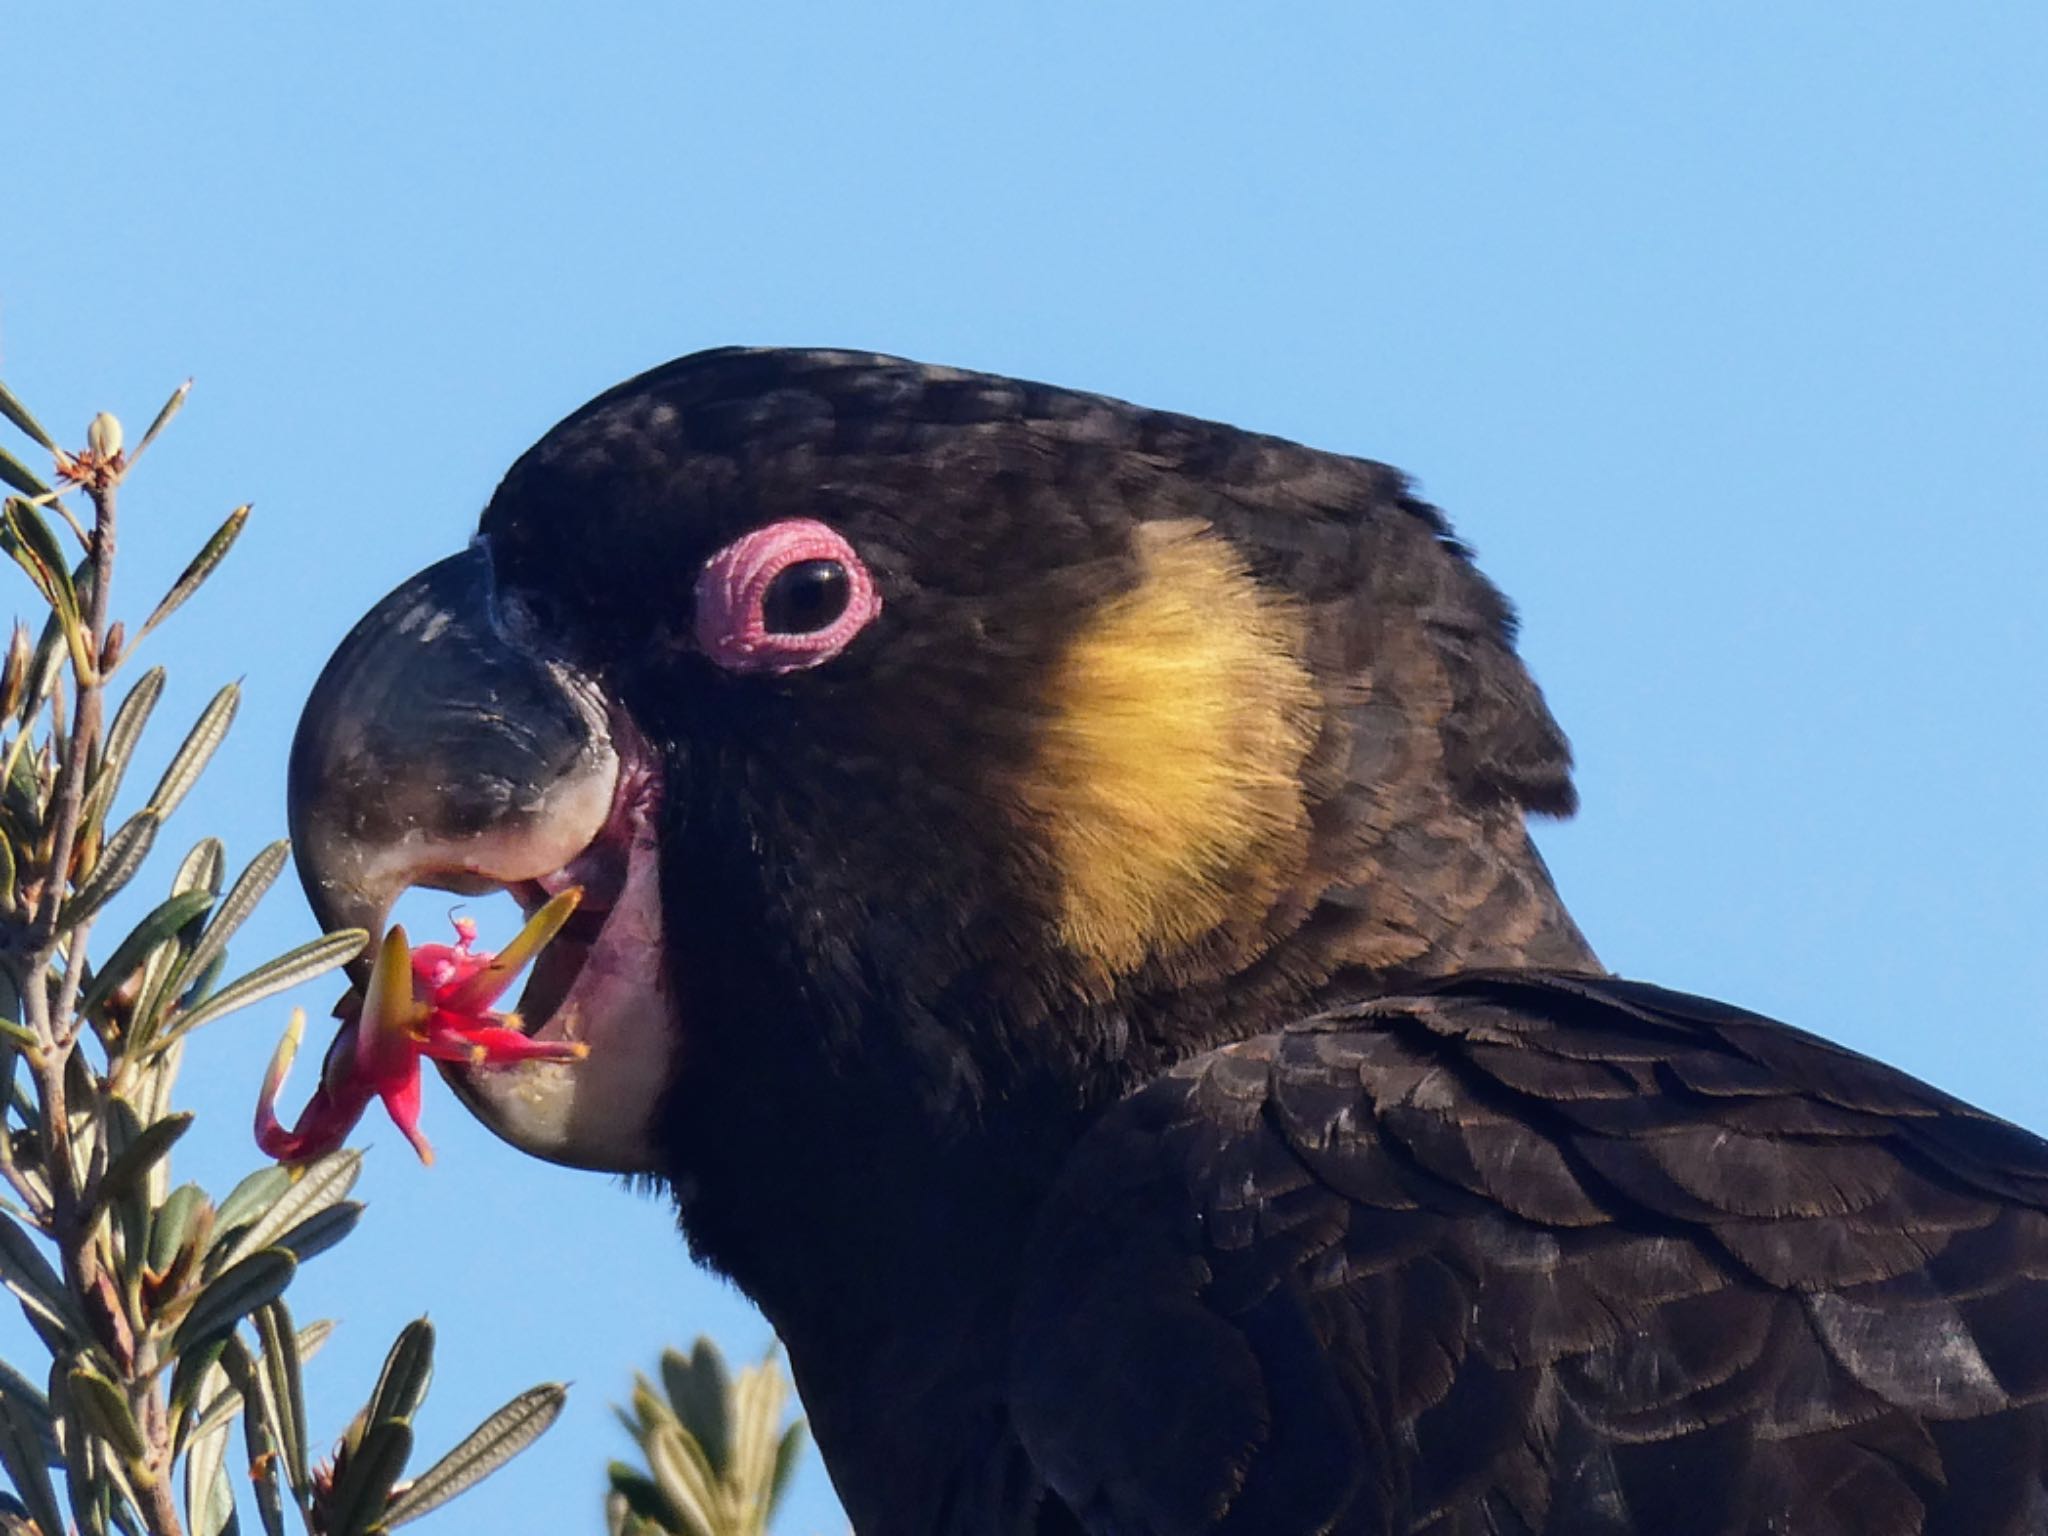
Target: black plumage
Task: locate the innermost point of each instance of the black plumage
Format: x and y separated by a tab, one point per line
1147	1129
1531	1253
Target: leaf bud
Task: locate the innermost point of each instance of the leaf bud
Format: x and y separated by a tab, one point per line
14	676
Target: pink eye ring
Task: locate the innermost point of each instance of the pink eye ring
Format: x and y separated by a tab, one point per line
783	598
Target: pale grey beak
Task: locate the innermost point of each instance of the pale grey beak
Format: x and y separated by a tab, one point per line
439	748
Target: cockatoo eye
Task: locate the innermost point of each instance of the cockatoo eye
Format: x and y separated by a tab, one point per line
783	598
806	597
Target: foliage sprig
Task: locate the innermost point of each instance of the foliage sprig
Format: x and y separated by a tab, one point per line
162	1308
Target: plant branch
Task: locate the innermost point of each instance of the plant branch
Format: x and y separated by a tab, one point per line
85	736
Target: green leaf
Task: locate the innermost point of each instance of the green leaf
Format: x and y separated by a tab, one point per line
21	1450
288	1392
248	1200
7	872
787	1454
318	1233
197	749
487	1447
171	407
408	1369
19	475
235	908
191	1380
189	580
44	669
228	1401
12	408
118	863
259	1433
306	962
104	1408
202	869
26	1398
209	1495
364	1487
261	1420
173	1223
700	1387
685	1478
312	1188
638	1490
128	1170
756	1413
24	1271
163	922
34	547
233	1294
122	736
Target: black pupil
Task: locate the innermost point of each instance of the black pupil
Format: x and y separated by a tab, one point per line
806	598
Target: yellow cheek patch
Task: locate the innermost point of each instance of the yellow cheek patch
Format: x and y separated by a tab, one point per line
1169	776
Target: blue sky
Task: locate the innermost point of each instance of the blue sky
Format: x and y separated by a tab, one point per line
1718	329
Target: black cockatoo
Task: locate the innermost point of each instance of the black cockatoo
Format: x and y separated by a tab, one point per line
1061	921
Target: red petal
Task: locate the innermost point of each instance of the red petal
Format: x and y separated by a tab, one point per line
402	1100
452	1039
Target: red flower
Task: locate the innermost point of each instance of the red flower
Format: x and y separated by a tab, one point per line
433	1001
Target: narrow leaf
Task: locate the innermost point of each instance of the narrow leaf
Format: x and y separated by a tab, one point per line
309	960
162	923
364	1488
235	908
118	863
21	1450
25	1398
408	1369
202	868
248	1200
684	1477
700	1387
193	754
233	1294
287	1390
36	550
637	1489
225	1404
210	555
123	734
196	1378
313	1187
488	1447
128	1170
173	1222
12	408
106	1413
318	1233
757	1414
44	668
787	1454
28	1274
171	407
209	1496
18	475
259	1433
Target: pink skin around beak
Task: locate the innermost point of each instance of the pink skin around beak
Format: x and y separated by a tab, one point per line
431	1002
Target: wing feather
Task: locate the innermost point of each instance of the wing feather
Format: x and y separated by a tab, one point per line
1541	1255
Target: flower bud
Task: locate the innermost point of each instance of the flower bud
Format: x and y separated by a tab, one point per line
103	437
